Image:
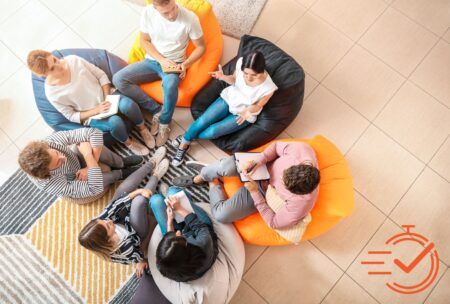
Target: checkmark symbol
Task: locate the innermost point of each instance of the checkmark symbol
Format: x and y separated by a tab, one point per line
413	264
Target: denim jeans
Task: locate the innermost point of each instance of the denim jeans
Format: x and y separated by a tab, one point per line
115	124
129	78
215	122
159	209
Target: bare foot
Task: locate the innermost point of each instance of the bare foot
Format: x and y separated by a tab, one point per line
198	179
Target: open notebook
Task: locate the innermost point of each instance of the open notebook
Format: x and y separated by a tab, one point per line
113	109
185	203
242	158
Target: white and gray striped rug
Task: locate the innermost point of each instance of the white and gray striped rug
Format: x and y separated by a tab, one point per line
25	275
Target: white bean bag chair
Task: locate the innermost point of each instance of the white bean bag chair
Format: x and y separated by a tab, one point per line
219	283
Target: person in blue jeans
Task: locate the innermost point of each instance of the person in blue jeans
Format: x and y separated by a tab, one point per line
238	105
165	32
188	249
78	90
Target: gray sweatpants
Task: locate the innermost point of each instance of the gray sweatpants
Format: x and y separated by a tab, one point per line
236	207
108	158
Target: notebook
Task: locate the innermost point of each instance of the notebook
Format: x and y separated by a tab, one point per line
243	157
185	203
113	109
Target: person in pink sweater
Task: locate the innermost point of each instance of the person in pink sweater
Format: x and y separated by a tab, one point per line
293	173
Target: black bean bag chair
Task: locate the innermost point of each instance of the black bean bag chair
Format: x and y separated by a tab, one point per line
278	113
106	61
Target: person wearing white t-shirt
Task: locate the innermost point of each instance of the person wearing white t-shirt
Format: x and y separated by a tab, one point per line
238	105
165	31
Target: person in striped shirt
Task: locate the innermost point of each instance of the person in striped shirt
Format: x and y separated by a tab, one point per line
67	163
122	231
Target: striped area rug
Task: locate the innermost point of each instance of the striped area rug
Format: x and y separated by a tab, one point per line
27	278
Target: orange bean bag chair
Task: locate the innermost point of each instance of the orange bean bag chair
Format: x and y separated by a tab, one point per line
335	200
197	75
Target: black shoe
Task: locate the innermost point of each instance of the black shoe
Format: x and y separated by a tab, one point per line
179	156
195	165
128	171
132	161
177	141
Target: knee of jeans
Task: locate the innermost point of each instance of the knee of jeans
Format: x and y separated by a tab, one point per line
128	107
157	202
171	81
116	123
172	190
118	80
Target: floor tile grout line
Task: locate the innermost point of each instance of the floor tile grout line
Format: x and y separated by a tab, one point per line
254	289
435	285
256	260
332	287
427	93
14	12
414	21
362	287
293	24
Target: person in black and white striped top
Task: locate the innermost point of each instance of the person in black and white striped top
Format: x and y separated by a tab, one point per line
121	232
67	163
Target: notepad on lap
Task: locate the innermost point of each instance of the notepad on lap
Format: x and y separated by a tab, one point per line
242	158
185	203
113	109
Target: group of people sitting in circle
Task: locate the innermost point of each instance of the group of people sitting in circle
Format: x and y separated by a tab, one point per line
78	165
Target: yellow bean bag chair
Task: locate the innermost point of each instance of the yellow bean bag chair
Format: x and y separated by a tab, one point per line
197	75
335	200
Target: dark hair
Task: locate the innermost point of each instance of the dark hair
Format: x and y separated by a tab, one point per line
254	61
178	260
301	179
94	237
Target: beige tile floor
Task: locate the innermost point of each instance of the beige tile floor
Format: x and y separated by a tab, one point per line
377	84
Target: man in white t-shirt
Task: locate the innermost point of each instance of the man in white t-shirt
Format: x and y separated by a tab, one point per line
166	29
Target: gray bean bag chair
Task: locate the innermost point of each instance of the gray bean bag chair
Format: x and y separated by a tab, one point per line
103	59
218	285
278	113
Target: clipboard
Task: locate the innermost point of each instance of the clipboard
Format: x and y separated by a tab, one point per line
113	109
243	157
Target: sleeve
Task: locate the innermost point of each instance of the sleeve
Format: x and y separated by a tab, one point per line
195	31
114	209
285	217
144	25
273	151
201	231
77	189
67	138
66	110
96	71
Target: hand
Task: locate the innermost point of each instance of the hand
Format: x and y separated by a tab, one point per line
103	107
251	185
242	116
167	63
85	148
140	268
146	193
82	174
183	69
250	167
169	212
217	74
173	202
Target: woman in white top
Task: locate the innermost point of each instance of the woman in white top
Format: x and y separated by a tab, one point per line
78	89
238	105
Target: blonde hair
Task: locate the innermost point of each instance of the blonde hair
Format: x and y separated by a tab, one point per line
34	159
94	237
37	62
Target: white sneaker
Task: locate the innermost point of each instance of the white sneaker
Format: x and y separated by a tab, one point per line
161	168
158	155
155	124
163	135
148	138
138	148
163	188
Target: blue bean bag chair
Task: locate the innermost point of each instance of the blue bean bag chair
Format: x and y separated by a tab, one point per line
106	61
278	113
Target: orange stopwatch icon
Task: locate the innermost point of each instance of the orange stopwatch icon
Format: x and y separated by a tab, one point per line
428	252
